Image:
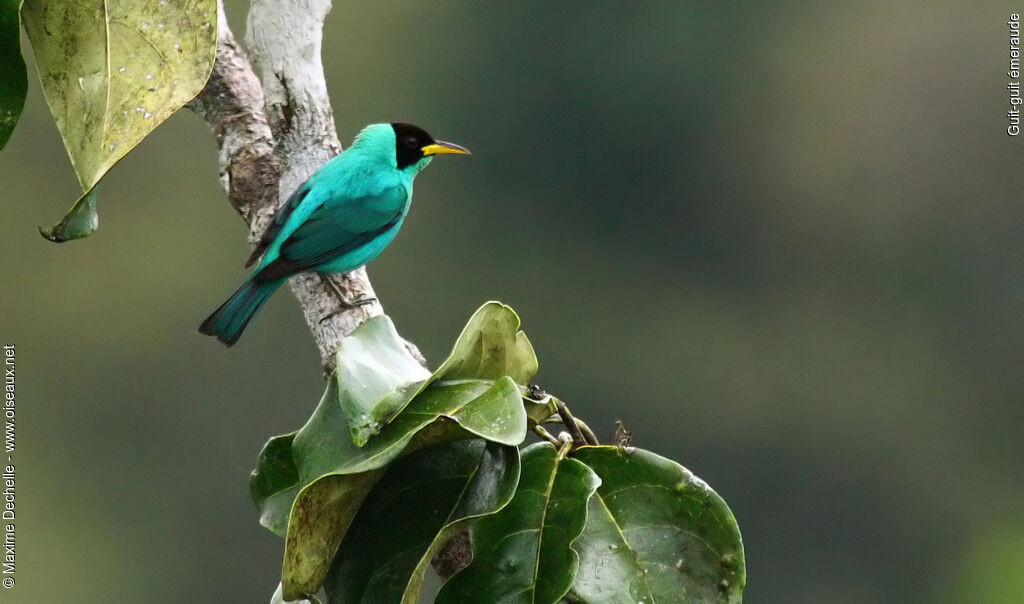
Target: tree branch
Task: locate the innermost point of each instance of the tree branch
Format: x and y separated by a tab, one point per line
231	104
273	132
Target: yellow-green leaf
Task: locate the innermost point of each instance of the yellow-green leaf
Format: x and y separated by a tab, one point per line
112	71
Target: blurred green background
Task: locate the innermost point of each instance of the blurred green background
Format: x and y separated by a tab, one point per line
782	242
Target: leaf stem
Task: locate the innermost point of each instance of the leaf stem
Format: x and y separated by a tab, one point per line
541	432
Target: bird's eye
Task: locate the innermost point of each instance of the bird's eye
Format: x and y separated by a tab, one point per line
412	142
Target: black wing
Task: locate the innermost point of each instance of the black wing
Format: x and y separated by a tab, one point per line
277	223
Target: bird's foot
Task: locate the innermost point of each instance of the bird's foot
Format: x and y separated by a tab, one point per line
343	300
361	301
348	305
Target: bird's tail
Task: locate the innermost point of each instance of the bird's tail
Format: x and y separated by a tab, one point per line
228	322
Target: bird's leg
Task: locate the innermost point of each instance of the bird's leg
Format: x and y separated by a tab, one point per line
343	300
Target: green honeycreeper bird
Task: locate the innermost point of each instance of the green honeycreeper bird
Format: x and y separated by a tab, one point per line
344	216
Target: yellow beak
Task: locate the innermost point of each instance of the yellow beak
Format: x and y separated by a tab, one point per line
441	147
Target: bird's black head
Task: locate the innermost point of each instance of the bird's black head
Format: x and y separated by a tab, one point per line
412	144
409	143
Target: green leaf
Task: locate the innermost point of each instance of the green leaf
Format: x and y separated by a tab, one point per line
491	346
397	530
275	483
112	71
377	376
80	221
490	489
655	533
491	410
538	407
524	552
13	78
331	474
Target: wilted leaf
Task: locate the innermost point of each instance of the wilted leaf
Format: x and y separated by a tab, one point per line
524	552
319	520
112	71
13	79
377	376
392	539
655	533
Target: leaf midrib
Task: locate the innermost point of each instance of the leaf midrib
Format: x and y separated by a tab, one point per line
540	529
625	543
106	98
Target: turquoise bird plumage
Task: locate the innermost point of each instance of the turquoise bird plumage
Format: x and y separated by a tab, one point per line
342	217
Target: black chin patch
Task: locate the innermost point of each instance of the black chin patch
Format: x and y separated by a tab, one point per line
409	143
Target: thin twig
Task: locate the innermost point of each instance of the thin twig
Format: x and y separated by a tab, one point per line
590	435
570	424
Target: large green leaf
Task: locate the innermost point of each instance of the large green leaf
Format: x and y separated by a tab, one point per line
655	533
396	532
524	552
112	71
13	79
378	377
